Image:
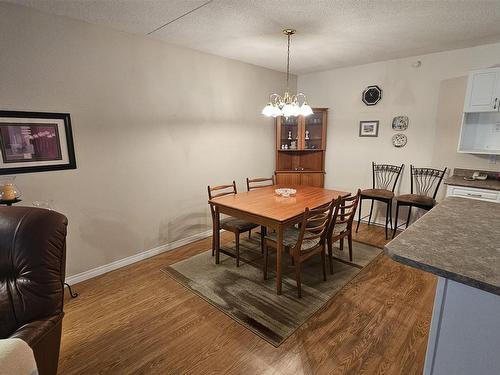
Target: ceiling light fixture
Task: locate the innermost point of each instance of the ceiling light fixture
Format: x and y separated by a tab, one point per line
287	105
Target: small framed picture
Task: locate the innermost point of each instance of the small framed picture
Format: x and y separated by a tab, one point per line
35	142
368	128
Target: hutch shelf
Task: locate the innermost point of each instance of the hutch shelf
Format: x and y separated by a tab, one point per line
300	149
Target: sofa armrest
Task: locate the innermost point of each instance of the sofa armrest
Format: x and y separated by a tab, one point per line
44	337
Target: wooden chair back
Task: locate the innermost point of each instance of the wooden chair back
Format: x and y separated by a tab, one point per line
260	182
344	212
426	181
219	191
315	225
385	176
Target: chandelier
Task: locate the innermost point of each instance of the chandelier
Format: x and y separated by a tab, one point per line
287	105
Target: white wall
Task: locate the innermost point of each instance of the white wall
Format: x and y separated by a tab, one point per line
432	96
153	125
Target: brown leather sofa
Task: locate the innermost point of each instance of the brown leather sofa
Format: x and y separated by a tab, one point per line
32	270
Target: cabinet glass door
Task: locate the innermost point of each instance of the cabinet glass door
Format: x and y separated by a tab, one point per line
313	131
289	133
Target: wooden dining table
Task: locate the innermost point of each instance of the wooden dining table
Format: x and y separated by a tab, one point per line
264	207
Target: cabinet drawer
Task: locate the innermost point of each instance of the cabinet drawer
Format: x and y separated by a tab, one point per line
481	194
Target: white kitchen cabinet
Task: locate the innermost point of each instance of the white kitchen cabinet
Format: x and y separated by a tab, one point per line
480	131
473	193
483	91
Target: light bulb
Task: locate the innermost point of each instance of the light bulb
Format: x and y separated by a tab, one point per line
305	110
296	109
288	110
276	111
268	110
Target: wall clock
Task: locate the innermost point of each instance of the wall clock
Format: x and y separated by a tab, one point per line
372	95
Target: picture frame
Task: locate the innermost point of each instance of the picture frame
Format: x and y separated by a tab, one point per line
368	128
35	142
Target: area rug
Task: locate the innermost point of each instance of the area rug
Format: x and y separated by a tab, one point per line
243	294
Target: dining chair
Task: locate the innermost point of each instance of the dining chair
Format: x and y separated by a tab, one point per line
341	225
230	224
259	182
303	242
384	180
424	181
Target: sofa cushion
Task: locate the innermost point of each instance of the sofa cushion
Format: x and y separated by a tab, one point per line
16	357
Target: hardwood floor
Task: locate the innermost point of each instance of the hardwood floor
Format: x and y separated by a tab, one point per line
137	320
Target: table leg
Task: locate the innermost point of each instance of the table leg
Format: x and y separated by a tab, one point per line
279	252
217	234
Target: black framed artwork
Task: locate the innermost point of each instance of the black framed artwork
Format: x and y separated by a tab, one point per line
368	128
35	142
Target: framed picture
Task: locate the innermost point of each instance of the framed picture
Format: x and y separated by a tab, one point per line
35	142
368	128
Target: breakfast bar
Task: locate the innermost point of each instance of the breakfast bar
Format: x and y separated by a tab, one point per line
459	241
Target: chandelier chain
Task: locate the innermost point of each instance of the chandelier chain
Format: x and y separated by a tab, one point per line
288	104
288	63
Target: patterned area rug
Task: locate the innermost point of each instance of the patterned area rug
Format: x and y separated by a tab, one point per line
243	294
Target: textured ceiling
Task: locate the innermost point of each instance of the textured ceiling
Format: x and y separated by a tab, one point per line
329	33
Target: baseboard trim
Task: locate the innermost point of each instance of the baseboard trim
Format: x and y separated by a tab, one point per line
135	258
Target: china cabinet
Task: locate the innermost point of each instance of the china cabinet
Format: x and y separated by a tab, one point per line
300	149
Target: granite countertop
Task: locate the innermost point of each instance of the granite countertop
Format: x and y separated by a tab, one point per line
489	184
459	239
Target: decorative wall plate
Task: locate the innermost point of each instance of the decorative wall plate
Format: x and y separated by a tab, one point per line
399	140
400	123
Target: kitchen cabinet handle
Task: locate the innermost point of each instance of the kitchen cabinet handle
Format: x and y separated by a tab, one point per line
475	195
496	103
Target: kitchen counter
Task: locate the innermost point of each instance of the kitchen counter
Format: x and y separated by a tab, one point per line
459	239
489	184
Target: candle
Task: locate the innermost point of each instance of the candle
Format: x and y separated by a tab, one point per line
8	192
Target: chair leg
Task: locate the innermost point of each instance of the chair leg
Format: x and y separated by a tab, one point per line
297	277
237	240
390	214
371	211
213	243
330	256
359	214
408	219
250	234
323	262
263	232
266	254
396	221
349	241
341	245
386	219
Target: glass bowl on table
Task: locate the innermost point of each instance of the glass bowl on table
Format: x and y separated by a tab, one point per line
285	192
